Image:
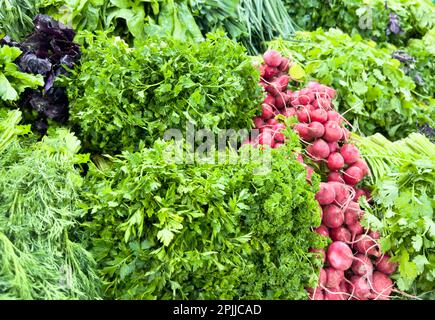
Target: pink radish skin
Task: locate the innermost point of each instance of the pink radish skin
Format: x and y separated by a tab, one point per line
319	115
310	172
333	146
322	230
300	159
289	112
384	265
334	294
332	216
365	245
326	194
333	131
319	149
316	129
341	193
270	100
346	135
361	287
358	194
316	294
281	100
272	122
304	99
322	278
303	131
334	116
335	177
258	122
284	65
322	103
333	277
303	115
382	284
362	165
335	161
355	229
350	153
267	111
353	175
362	265
340	234
272	58
270	72
339	255
352	214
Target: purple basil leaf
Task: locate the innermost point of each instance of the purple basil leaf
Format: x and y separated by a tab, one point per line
30	63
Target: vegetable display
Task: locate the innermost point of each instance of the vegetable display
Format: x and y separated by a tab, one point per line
217	150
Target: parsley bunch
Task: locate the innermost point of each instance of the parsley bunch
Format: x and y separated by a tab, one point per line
162	230
121	95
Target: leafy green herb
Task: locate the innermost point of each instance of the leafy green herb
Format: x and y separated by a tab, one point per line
41	254
121	95
373	92
403	181
162	230
13	82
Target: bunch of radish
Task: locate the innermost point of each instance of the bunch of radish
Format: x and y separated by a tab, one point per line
354	267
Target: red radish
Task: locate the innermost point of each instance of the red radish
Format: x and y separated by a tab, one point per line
272	122
281	100
334	116
316	294
266	138
319	115
300	158
322	278
332	216
322	103
365	245
272	89
267	111
322	230
335	177
284	65
310	172
319	149
333	277
278	145
358	194
333	146
350	153
353	175
384	265
326	194
270	100
269	72
362	165
341	193
279	137
334	294
355	229
272	58
258	122
335	161
340	234
303	130
375	235
320	253
288	112
304	100
361	288
352	214
316	129
382	284
340	255
294	100
279	126
303	115
332	131
262	72
281	83
362	265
